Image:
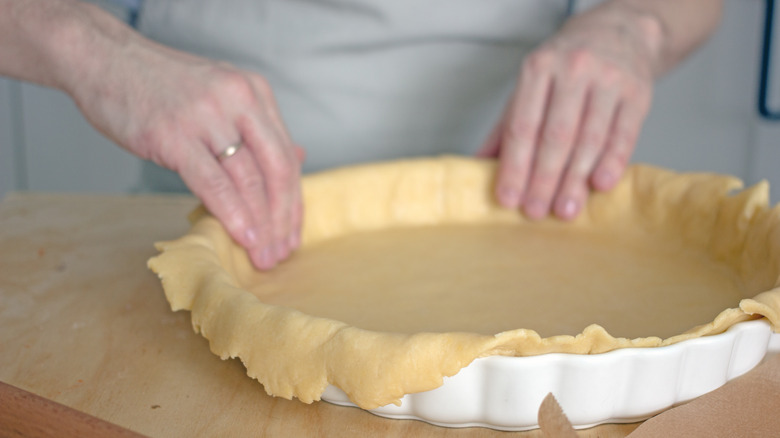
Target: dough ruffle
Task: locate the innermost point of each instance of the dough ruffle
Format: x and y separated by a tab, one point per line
297	355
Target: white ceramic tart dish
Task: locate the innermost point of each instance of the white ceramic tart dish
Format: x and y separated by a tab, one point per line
415	295
621	386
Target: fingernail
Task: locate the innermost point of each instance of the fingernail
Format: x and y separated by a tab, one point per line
251	237
535	209
569	209
267	260
604	180
509	198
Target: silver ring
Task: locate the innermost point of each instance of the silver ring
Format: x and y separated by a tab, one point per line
229	152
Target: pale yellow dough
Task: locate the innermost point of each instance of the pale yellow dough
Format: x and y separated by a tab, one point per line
409	271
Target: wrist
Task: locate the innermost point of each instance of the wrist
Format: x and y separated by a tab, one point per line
651	32
641	29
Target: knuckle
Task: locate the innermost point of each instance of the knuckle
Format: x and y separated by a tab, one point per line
579	169
521	130
281	186
206	106
643	100
543	184
513	174
156	143
253	184
591	138
218	187
147	137
632	90
262	85
235	86
558	133
540	61
571	185
547	171
621	152
621	156
281	173
625	137
148	141
551	163
638	91
234	220
209	180
232	216
580	62
610	75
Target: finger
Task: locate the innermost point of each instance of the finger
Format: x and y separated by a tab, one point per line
280	168
519	136
620	144
297	224
270	107
248	181
561	124
214	187
280	161
591	141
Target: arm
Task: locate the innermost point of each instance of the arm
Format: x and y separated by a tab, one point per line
176	109
575	116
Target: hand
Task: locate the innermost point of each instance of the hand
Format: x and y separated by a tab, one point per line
182	111
574	118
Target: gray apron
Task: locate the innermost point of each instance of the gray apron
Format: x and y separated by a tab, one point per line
366	80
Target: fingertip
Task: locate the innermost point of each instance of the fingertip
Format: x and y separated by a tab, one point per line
567	209
508	197
604	179
262	258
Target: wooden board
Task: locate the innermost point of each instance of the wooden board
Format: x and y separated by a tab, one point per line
84	323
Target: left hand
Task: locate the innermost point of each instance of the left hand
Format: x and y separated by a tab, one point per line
575	115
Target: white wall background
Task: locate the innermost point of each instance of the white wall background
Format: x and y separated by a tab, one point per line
64	153
8	164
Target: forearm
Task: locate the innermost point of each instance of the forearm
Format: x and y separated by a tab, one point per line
58	43
175	108
672	29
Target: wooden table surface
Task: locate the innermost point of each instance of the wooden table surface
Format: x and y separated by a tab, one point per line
84	323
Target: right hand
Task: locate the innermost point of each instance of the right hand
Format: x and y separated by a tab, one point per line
573	121
181	112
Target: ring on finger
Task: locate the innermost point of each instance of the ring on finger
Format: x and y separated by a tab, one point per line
229	151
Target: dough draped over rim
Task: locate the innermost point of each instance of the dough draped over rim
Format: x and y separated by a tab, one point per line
298	355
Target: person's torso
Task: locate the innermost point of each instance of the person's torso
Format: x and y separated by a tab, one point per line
367	80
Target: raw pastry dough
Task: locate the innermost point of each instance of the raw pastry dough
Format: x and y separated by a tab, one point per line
408	269
492	278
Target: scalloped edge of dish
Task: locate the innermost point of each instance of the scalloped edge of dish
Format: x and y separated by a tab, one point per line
620	386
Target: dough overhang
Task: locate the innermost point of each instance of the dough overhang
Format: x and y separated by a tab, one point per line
297	354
